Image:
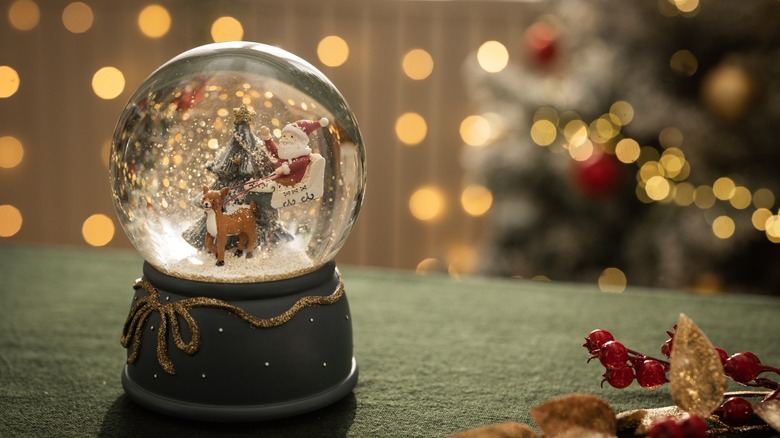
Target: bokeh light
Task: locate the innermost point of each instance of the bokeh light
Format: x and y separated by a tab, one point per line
684	63
10	220
427	203
623	112
9	81
772	228
612	280
602	130
24	14
658	188
429	265
723	227
98	230
333	51
703	197
226	29
671	137
673	163
461	260
108	82
411	128
544	132
724	188
578	142
77	17
476	200
759	218
763	198
683	194
741	198
492	56
11	152
417	64
155	21
687	7
627	150
475	130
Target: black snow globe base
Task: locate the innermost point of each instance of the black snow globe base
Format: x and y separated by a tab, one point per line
239	351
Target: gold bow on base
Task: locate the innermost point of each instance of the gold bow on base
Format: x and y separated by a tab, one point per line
171	312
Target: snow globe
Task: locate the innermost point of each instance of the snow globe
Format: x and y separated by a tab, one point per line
237	172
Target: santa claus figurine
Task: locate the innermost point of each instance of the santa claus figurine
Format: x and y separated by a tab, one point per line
292	155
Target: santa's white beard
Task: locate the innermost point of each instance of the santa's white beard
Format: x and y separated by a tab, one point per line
292	149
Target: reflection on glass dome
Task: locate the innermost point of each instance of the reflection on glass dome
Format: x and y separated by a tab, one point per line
241	149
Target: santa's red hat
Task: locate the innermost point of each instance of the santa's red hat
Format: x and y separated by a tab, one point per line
302	128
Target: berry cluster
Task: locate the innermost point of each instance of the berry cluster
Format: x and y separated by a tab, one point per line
624	365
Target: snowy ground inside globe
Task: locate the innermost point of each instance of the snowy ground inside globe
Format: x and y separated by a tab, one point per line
265	265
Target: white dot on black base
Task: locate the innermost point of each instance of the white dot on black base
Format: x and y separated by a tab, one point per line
167	298
203	376
324	364
152	328
267	364
347	316
220	330
155	376
311	319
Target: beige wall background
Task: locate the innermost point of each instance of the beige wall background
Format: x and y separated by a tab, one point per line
65	128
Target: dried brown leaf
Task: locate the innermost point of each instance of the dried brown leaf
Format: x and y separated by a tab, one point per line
575	413
769	411
697	381
638	421
510	429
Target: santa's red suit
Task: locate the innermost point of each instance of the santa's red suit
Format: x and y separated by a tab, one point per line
293	168
294	155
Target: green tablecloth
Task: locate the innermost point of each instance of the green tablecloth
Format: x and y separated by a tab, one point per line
437	355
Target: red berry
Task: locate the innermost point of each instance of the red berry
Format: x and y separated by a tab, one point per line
596	339
722	354
694	427
736	411
650	374
613	355
619	378
665	428
742	367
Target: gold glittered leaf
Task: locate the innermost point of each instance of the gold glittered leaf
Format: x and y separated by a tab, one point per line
509	429
769	411
696	378
638	421
583	414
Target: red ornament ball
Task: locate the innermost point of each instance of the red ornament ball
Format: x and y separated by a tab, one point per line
541	40
599	176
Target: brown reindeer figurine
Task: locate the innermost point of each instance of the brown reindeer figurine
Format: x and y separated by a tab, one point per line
220	225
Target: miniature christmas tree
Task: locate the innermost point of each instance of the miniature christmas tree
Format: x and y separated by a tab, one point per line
240	161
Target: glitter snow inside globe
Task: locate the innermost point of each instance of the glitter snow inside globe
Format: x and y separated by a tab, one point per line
237	172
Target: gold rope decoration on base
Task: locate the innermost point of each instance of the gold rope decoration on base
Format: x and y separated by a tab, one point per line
171	312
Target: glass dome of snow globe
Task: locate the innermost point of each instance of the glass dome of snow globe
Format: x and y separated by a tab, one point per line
259	122
237	172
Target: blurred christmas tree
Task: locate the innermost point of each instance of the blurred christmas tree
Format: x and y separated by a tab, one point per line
636	135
